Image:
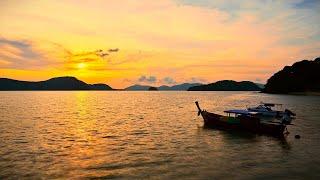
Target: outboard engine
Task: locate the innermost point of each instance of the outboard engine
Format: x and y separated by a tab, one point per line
290	113
286	118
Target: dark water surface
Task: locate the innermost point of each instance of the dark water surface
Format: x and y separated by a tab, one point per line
149	135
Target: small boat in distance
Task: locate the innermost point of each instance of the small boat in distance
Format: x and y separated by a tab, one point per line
244	120
266	109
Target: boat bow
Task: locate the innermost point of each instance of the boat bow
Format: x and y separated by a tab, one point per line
199	109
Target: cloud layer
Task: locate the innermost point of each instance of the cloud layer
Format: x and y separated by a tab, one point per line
150	79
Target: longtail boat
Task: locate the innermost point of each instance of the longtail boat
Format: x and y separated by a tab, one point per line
266	109
244	120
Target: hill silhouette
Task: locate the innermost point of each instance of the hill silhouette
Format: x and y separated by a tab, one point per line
58	83
178	87
227	85
302	76
153	89
137	87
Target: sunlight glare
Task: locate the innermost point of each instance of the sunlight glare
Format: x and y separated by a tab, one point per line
81	65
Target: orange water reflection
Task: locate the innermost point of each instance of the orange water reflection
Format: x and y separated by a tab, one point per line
141	135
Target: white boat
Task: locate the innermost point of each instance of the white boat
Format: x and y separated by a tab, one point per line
271	109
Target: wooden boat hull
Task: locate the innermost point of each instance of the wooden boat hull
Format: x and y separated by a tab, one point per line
249	124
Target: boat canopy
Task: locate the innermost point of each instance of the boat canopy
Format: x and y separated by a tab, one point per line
240	111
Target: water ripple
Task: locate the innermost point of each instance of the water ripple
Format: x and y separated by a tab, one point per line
144	135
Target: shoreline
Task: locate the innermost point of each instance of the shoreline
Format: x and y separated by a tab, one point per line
306	93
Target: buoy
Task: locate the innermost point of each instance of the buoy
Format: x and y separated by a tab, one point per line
297	136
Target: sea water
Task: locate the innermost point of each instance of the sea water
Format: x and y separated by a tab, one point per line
122	134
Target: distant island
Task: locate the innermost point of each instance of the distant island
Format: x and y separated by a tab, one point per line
227	85
72	83
302	77
59	83
178	87
153	89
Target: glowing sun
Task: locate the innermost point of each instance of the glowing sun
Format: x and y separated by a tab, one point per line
81	65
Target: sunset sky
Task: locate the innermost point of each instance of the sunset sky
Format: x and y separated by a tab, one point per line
127	42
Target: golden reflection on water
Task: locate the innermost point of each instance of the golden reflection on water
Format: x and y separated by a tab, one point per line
82	105
143	135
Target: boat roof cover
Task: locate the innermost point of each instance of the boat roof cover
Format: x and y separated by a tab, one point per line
240	111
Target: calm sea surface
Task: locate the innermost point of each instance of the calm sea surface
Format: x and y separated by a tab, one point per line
149	135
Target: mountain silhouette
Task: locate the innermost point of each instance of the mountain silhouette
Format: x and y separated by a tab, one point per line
153	89
58	83
137	87
227	85
178	87
302	76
